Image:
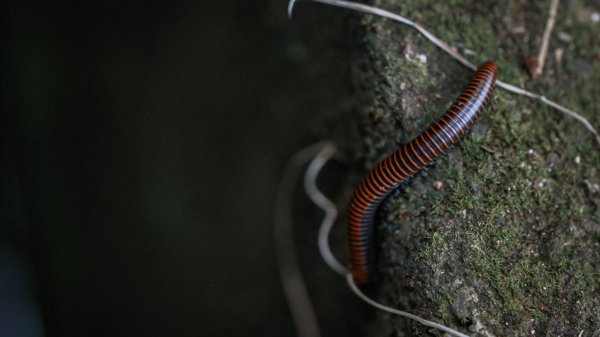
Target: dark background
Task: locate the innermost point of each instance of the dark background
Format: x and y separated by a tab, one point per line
141	148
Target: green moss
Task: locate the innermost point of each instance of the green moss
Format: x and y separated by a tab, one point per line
368	20
515	228
507	197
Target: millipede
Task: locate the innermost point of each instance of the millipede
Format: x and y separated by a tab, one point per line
405	162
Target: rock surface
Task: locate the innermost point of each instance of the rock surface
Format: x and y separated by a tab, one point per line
502	236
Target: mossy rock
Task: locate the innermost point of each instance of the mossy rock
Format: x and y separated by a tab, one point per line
510	244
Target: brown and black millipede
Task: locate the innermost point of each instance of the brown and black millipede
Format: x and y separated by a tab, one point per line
407	161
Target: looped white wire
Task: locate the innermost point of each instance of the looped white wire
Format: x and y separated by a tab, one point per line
331	212
310	186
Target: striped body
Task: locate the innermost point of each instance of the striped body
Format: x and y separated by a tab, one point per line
405	162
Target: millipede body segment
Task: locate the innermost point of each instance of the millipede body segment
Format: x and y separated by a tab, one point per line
407	161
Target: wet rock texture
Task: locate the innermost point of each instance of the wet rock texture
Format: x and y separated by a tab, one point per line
502	236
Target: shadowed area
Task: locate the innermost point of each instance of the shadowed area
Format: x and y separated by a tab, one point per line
148	143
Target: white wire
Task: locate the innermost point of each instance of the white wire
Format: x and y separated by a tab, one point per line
379	306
